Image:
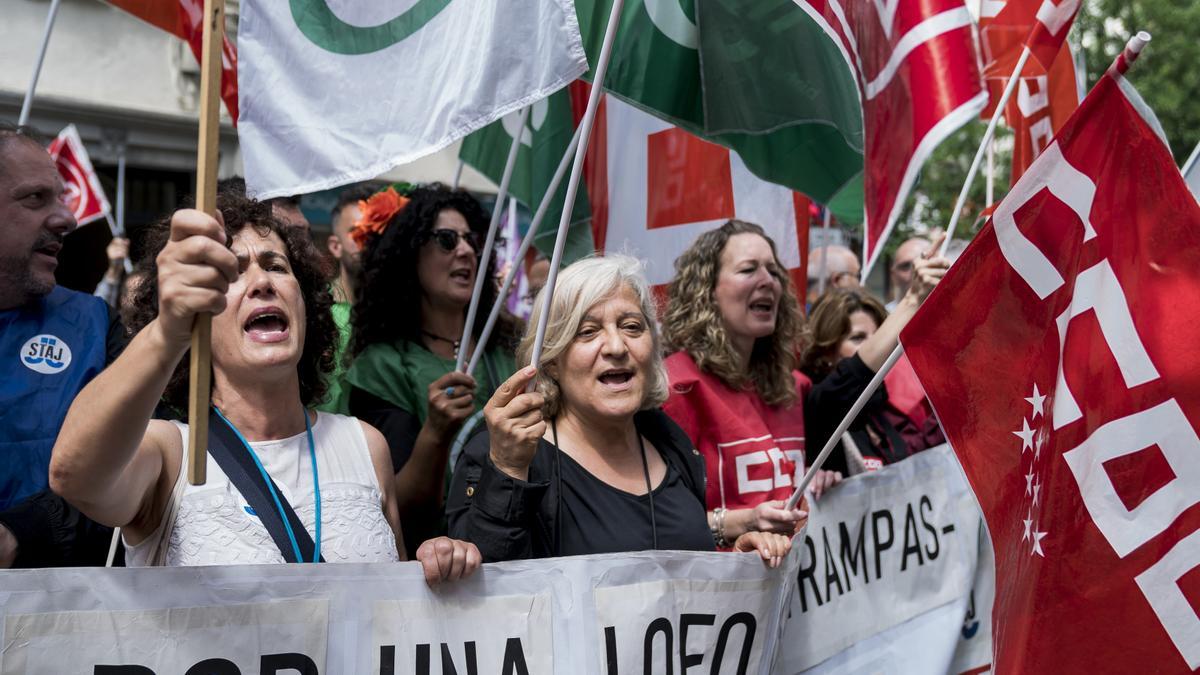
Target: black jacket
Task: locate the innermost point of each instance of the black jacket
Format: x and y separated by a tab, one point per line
509	519
827	404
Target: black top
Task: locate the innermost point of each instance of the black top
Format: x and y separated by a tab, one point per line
827	404
600	518
509	519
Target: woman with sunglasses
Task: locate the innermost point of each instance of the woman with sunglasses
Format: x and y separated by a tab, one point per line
420	255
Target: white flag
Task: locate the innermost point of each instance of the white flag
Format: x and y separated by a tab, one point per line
333	92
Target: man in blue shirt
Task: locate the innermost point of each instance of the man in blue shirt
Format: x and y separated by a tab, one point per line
53	341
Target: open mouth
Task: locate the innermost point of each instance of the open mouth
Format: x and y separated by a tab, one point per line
50	250
462	274
266	324
764	305
616	377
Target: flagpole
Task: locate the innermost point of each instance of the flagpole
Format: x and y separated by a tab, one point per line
823	269
23	119
481	275
121	200
585	134
991	173
987	138
543	208
200	375
457	174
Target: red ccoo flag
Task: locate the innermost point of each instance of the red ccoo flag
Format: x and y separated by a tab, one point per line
1054	19
1059	356
83	194
183	19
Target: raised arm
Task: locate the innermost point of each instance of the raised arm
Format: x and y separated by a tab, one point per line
928	272
109	457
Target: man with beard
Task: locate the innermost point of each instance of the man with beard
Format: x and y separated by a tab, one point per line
344	251
53	341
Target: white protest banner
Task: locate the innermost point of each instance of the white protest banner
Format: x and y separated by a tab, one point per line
643	612
886	569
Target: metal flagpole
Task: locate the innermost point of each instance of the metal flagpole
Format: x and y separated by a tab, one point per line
991	173
536	223
457	174
585	133
1132	49
823	270
987	139
485	256
23	119
121	200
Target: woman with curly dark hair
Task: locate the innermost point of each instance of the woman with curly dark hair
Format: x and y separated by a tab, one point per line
272	340
734	325
420	255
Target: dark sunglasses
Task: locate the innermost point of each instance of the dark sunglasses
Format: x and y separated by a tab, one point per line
447	239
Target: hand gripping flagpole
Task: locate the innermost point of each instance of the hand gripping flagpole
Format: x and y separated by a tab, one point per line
547	199
200	375
585	134
1132	49
485	256
23	119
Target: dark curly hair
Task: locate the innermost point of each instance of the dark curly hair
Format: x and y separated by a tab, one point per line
320	335
387	305
693	323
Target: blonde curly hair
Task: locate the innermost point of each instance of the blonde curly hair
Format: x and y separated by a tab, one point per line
693	323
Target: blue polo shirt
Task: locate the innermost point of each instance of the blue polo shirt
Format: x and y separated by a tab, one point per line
49	350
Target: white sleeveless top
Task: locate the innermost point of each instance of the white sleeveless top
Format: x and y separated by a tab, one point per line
212	524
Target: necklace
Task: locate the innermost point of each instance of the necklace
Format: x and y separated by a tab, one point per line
312	454
439	338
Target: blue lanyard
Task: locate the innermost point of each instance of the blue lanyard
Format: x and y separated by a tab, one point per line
312	453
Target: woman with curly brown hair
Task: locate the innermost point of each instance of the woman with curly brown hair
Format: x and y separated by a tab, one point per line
734	325
420	255
272	340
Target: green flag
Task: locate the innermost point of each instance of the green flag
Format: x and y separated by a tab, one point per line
544	141
757	76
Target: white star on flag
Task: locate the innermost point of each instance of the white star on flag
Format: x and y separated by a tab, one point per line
1037	544
1036	490
1025	434
1028	524
1029	482
1038	401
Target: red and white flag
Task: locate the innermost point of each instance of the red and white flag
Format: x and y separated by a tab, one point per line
83	194
917	75
184	19
654	188
1059	354
1045	98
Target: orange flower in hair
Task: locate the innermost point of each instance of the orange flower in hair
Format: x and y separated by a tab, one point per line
377	212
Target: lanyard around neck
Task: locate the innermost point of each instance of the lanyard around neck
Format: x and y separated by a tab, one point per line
312	453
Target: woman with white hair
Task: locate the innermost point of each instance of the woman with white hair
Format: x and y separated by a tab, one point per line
587	462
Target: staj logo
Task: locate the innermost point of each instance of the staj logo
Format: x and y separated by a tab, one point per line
46	354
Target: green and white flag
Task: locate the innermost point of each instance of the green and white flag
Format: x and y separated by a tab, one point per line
333	92
544	141
757	76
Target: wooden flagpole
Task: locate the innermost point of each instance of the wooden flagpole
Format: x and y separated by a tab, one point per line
200	379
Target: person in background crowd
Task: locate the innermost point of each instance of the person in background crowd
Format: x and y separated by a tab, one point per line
734	324
842	270
54	342
852	335
272	343
288	210
420	255
109	288
588	462
538	272
344	250
904	267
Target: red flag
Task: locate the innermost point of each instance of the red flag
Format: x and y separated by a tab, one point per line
1054	19
83	194
184	19
1044	99
916	69
1059	354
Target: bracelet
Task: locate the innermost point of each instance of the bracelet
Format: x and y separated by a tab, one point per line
717	528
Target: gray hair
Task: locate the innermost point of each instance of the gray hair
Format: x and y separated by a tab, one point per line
579	287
